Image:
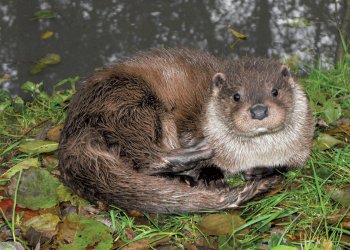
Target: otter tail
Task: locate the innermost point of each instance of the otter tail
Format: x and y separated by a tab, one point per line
100	174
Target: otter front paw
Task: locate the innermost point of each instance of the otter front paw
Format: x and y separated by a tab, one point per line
182	160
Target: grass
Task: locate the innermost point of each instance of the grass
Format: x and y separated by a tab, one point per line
308	213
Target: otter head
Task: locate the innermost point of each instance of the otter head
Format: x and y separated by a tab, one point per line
253	96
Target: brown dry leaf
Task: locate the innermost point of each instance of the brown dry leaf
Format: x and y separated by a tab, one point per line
35	238
54	133
67	230
129	233
345	128
135	213
219	224
346	225
343	132
208	242
345	238
190	246
49	161
340	215
143	244
340	195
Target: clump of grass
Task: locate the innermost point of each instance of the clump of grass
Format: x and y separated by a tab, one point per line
19	119
329	91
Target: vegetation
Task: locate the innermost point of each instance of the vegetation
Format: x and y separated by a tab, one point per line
310	210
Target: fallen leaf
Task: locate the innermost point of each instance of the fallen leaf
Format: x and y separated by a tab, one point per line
135	213
54	133
80	233
143	244
343	132
340	195
345	225
44	223
49	59
7	206
332	111
5	78
38	146
46	35
238	34
25	164
50	162
325	141
220	224
64	193
344	128
37	189
35	238
11	246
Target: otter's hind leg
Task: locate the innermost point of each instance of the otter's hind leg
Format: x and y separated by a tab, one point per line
137	123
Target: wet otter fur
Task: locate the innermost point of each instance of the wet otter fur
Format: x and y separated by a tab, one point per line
179	112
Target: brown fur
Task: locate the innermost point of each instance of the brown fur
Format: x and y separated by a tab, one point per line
125	120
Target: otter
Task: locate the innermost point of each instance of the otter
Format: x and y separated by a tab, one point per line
135	128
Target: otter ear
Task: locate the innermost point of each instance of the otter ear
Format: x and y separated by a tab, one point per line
218	81
285	72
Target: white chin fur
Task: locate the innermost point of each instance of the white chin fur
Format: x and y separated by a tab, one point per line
260	130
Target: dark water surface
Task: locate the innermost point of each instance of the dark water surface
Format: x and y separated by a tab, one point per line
89	34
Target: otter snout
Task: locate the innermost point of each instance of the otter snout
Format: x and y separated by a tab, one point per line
258	111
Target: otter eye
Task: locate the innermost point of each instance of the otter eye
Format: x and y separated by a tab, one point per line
274	92
236	97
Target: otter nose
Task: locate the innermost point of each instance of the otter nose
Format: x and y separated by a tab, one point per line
258	111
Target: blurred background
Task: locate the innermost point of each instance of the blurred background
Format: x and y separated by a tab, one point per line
47	41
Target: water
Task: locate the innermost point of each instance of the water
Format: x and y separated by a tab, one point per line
89	34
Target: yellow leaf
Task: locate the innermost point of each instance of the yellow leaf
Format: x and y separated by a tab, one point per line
238	34
325	141
43	223
27	163
38	146
46	35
